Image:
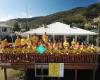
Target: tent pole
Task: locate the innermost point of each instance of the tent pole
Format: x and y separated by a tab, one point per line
97	42
5	74
53	37
75	37
87	39
64	37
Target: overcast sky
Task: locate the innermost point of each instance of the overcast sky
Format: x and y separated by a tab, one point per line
10	9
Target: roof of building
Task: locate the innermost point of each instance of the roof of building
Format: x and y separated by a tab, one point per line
4	25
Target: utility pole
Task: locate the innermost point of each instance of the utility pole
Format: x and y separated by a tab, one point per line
97	20
98	33
26	23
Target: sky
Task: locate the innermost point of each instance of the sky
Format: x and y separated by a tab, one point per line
10	9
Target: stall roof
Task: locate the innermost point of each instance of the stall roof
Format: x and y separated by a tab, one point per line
59	28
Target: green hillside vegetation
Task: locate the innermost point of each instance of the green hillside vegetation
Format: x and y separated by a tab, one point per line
81	17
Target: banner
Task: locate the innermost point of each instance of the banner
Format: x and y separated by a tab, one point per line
56	69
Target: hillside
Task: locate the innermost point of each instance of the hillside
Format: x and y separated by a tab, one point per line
78	16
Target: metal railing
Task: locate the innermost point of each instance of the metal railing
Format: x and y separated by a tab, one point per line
48	58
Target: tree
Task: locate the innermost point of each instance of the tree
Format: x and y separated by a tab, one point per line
16	27
88	25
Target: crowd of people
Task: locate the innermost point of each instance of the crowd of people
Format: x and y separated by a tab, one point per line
34	41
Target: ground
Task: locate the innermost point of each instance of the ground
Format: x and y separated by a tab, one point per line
11	74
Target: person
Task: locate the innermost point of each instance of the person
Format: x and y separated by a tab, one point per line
55	45
45	38
23	42
73	42
29	43
0	43
4	43
65	44
81	47
76	46
35	39
18	42
60	45
93	48
50	45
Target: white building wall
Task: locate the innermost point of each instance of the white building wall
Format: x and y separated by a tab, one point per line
5	33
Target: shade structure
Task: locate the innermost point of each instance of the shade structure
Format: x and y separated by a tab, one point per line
59	28
38	31
79	31
27	32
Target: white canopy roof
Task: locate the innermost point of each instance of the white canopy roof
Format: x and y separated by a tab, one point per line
38	31
58	25
59	28
28	32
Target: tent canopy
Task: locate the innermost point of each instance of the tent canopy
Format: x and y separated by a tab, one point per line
38	31
63	29
59	28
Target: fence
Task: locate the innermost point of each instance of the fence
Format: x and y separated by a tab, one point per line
48	58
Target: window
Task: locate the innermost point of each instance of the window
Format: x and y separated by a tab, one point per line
41	70
4	29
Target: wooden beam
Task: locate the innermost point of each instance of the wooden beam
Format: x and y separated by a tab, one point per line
76	37
5	73
75	74
94	71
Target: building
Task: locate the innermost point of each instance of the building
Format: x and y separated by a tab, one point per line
5	30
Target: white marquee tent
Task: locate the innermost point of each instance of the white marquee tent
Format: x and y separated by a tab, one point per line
63	29
38	31
27	32
58	28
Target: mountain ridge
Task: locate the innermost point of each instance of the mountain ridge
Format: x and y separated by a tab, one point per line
79	16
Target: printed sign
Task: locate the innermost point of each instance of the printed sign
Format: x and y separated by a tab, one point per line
56	69
41	49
